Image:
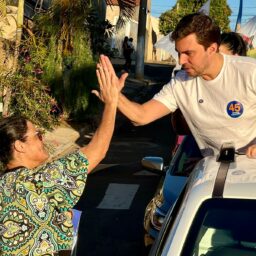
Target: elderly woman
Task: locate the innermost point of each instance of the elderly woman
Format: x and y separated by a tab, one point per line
36	197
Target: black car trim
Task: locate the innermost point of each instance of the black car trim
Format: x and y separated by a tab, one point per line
226	156
220	180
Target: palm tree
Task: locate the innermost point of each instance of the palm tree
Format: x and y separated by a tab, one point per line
126	10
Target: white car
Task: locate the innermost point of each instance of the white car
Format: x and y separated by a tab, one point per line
216	212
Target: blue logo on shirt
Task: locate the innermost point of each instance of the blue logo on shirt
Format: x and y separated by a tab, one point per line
235	109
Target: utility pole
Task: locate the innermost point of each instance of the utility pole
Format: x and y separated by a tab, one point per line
100	5
139	68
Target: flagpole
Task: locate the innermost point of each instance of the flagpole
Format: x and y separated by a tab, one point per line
206	8
239	16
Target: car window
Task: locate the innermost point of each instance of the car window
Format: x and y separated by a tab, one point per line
223	227
186	157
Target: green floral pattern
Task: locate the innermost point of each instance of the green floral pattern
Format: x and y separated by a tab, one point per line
35	206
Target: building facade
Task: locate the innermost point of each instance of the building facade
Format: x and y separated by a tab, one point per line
131	30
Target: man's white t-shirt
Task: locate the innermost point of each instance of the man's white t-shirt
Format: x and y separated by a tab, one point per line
220	110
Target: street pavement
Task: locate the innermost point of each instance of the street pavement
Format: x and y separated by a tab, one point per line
119	189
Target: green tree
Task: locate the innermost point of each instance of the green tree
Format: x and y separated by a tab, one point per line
73	34
219	11
58	53
60	46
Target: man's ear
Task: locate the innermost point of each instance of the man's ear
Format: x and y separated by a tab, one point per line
213	48
19	146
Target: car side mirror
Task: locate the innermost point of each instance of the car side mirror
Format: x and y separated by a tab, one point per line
153	163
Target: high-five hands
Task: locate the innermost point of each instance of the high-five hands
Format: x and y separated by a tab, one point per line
107	92
107	79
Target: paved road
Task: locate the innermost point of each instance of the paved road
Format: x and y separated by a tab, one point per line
117	193
113	209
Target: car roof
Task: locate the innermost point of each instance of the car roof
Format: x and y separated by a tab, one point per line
240	181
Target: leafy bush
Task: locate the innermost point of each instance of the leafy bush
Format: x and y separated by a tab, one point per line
56	63
30	99
71	77
67	62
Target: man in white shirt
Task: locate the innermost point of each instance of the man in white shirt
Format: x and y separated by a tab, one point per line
216	93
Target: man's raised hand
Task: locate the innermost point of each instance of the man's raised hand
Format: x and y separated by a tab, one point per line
107	92
107	66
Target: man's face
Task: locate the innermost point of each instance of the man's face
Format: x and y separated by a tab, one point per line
35	150
192	56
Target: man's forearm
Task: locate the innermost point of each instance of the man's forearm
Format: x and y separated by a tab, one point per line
132	110
141	114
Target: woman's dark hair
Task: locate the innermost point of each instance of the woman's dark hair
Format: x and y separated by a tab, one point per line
206	31
11	129
234	42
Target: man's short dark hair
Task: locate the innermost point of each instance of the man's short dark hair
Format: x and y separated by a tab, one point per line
206	31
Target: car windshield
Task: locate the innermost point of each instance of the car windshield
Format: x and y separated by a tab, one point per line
223	227
186	157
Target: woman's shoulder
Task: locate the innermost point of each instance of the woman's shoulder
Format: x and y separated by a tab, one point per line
72	162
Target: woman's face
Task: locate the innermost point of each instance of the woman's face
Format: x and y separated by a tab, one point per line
35	150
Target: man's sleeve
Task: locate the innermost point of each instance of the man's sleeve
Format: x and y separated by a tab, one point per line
166	96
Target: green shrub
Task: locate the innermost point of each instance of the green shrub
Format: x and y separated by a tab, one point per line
71	76
30	99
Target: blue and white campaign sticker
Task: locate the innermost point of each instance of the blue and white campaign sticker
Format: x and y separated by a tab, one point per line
235	109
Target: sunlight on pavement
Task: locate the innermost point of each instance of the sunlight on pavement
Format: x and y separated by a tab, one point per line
118	196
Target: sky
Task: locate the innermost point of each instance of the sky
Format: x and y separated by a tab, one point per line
249	9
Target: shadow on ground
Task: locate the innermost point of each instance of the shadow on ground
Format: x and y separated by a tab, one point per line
120	232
